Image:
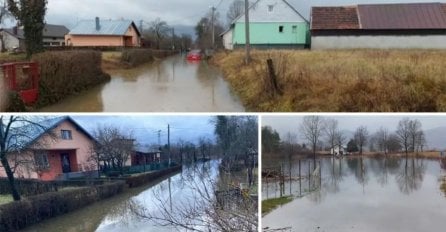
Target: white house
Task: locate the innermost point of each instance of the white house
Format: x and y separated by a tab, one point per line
53	36
338	150
401	25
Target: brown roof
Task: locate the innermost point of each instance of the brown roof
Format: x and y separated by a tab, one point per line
381	17
334	18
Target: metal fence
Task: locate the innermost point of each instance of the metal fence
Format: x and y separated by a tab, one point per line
138	168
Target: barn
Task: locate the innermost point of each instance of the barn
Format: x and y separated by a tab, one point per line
401	26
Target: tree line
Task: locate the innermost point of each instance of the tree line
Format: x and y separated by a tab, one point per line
321	134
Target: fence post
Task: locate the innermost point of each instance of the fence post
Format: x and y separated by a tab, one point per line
273	78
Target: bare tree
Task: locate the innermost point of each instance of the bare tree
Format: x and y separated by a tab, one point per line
159	29
404	134
312	128
382	139
236	9
332	132
203	209
361	136
414	130
113	148
18	142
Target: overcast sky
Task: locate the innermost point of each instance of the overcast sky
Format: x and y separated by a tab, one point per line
145	128
285	124
175	12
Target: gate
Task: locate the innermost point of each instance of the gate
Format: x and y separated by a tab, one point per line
23	77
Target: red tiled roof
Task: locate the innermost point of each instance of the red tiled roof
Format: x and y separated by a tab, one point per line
334	18
380	17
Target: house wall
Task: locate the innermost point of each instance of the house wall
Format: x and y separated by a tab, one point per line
10	41
53	42
136	40
379	41
94	41
268	33
227	40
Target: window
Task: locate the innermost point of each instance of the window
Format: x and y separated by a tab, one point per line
66	135
280	29
294	29
270	8
41	159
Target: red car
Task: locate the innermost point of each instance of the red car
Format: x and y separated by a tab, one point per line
194	55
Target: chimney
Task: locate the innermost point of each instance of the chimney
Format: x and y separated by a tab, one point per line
15	30
98	24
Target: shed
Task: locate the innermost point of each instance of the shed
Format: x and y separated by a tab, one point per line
403	25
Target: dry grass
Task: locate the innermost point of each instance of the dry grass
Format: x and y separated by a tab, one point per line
341	80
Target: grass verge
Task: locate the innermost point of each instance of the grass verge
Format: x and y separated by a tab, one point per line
339	80
270	204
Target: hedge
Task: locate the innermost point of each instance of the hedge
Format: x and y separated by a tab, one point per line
63	73
144	178
135	57
35	187
20	214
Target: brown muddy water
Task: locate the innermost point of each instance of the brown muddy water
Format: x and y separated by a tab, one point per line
116	215
360	194
171	85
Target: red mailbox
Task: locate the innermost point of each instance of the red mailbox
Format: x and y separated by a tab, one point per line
23	77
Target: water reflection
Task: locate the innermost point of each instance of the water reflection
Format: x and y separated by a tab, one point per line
363	194
170	85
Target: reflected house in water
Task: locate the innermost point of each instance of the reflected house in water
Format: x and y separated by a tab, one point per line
65	152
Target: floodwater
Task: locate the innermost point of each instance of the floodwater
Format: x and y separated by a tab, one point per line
360	194
118	213
171	85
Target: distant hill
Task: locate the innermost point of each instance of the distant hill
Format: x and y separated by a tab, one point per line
436	138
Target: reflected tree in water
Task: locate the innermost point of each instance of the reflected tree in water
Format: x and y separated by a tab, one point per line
200	209
410	176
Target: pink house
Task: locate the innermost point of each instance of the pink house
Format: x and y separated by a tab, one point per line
104	33
66	152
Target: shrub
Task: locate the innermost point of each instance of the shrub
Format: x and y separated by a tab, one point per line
17	215
135	57
63	73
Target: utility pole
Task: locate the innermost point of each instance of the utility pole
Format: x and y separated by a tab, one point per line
173	38
141	27
213	26
247	42
168	143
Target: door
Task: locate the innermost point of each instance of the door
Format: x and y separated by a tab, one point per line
66	167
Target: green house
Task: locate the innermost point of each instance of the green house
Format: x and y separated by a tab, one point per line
272	24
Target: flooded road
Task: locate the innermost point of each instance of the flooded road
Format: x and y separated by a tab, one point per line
362	194
118	213
171	85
